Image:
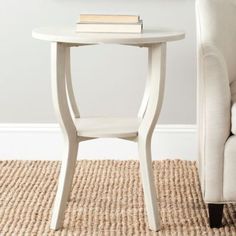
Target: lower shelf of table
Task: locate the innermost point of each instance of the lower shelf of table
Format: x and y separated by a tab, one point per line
103	127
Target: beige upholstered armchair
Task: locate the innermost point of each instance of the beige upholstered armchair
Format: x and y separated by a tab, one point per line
216	32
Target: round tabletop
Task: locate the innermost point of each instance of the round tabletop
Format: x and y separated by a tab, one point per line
69	35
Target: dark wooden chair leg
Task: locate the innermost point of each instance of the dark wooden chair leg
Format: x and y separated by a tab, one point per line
215	215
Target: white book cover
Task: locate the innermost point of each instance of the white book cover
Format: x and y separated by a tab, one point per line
109	28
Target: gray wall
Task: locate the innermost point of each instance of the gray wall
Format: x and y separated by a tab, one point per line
109	80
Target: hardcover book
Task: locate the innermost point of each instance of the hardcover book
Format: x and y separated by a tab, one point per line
103	18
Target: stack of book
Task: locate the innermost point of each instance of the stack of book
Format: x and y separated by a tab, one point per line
102	23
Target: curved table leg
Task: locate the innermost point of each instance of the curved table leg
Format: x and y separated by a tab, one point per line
69	85
146	94
69	130
157	56
64	185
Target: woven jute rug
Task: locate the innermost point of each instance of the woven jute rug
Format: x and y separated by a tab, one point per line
106	199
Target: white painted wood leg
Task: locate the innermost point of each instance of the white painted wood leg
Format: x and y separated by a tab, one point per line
154	92
150	196
69	85
60	98
64	186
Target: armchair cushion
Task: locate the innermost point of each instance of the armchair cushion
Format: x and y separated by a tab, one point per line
233	107
229	190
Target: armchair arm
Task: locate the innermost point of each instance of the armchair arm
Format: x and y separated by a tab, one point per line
214	120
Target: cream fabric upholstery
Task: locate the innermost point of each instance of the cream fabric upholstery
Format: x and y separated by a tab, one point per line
216	32
229	192
233	109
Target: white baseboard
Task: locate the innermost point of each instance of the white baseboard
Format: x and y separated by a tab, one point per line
45	142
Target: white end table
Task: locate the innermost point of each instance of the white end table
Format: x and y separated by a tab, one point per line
77	129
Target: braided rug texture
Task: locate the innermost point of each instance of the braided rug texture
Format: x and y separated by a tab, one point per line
106	199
